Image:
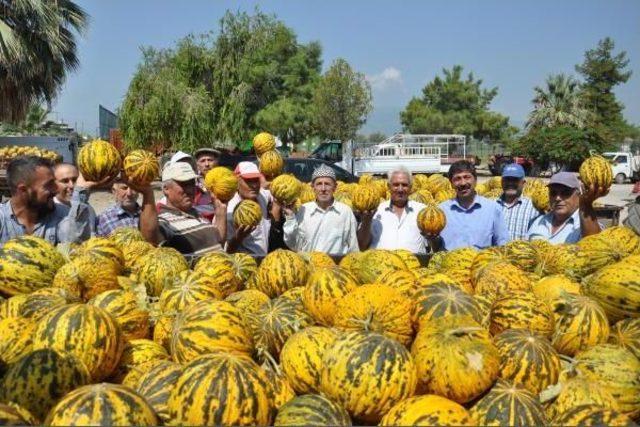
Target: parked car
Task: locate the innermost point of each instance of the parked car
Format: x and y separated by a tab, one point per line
301	168
625	166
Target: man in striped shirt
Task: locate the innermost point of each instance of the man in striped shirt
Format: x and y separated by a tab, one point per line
517	209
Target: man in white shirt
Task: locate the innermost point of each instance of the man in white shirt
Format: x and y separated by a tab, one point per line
394	225
324	225
252	240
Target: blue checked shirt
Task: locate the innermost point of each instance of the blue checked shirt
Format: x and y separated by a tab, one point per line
116	217
519	216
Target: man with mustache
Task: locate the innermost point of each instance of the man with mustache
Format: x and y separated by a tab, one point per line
517	209
472	220
571	216
394	225
124	213
31	210
178	224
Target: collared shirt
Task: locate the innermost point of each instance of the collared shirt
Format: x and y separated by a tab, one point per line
480	226
64	224
256	243
116	217
332	231
388	231
568	232
518	216
187	232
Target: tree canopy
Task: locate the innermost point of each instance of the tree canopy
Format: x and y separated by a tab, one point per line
37	51
252	76
453	104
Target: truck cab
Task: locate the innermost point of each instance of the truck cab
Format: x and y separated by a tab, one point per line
330	151
625	166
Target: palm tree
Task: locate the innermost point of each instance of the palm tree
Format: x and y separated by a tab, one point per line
37	50
558	104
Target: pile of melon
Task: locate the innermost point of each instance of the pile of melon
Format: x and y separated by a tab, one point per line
116	331
11	152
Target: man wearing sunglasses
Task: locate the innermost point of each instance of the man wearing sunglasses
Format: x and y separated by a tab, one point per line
571	215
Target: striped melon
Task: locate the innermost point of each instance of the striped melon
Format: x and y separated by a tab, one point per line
222	272
527	360
427	410
617	289
102	404
84	331
163	329
28	263
281	390
270	164
455	358
550	288
209	326
522	254
127	310
158	269
317	259
365	198
222	183
286	189
410	260
123	236
295	296
133	251
422	196
14	415
274	322
367	373
301	357
135	372
592	415
156	386
87	276
99	160
39	303
324	288
221	389
245	266
373	263
189	287
247	214
500	279
618	370
16	338
524	310
280	271
376	308
443	300
484	258
11	307
596	171
404	281
573	391
626	333
136	353
247	301
311	410
580	323
141	167
307	194
103	249
431	220
263	142
457	265
508	404
39	379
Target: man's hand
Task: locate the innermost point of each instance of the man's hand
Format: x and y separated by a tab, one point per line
219	207
90	185
242	232
431	236
366	217
590	194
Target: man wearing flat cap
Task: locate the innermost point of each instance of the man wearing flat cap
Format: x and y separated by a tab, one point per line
178	224
324	225
571	216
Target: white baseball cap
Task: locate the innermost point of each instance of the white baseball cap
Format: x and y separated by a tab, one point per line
179	171
247	170
180	155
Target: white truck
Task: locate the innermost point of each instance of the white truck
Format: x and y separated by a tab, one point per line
419	153
625	166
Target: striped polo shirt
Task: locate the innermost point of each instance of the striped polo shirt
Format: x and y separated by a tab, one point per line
188	232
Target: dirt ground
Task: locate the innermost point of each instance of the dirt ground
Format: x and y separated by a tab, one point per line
619	195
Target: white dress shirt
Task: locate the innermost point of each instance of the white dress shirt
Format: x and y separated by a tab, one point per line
256	243
332	231
388	231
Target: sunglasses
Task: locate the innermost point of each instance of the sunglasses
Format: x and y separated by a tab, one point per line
562	191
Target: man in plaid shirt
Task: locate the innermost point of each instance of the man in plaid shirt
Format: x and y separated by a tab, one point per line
124	213
518	210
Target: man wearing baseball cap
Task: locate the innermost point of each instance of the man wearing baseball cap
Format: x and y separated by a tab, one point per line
518	210
252	240
178	224
324	225
571	216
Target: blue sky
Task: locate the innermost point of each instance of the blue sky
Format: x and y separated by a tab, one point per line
399	45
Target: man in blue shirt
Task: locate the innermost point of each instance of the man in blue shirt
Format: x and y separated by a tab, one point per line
517	209
571	216
472	220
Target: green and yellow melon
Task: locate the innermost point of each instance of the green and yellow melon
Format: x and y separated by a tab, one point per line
189	287
592	415
596	171
427	410
617	289
156	386
37	304
280	271
222	183
365	198
16	338
580	323
126	308
99	160
158	269
626	333
136	353
576	390
311	410
247	301
520	309
443	300
140	168
431	220
14	415
324	288
286	189
263	142
247	214
508	404
270	164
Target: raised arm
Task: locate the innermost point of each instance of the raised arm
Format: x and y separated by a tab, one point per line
149	225
588	220
364	230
